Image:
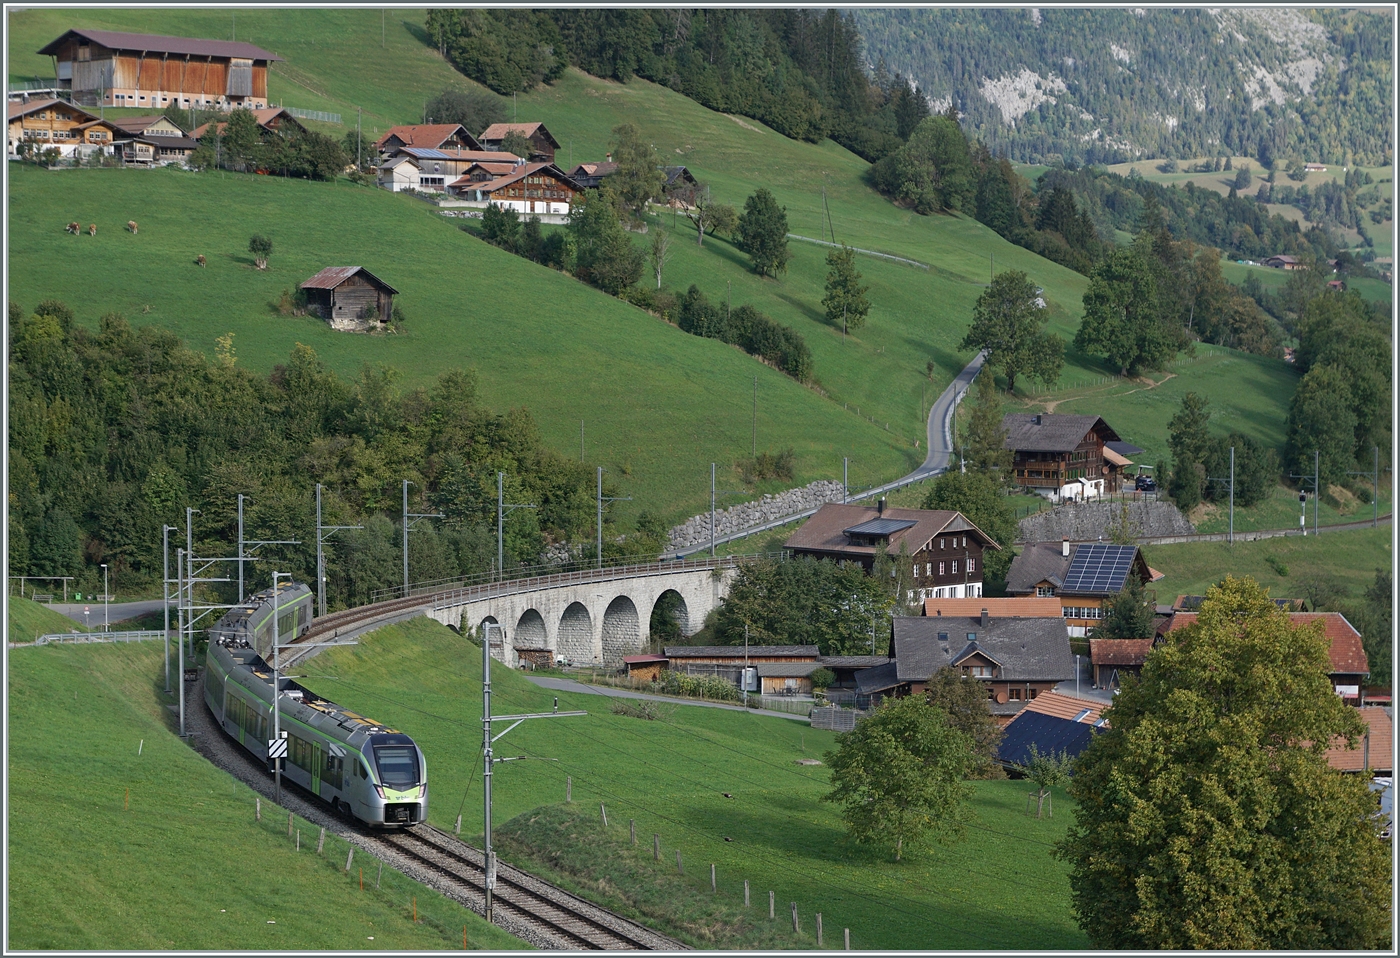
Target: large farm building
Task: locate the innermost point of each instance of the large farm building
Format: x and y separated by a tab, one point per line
138	70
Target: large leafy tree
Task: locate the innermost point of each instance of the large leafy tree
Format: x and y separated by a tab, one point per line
473	109
638	179
898	777
979	497
1122	322
845	300
763	228
1321	422
603	253
1129	613
933	170
964	701
984	438
805	601
1009	322
1207	814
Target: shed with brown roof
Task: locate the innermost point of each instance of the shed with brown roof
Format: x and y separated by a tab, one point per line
542	142
350	298
434	136
999	607
1114	658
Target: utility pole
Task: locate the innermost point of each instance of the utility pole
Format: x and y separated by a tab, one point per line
502	507
1303	496
165	594
408	518
1231	481
712	510
602	499
487	739
1375	475
845	479
254	544
755	417
322	533
276	687
189	557
359	115
180	641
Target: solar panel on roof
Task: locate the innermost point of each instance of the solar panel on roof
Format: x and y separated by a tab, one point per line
1099	567
880	527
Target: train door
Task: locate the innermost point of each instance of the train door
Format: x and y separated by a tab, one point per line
317	761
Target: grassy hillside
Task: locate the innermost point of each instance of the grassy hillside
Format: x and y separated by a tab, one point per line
658	405
122	838
26	619
997	889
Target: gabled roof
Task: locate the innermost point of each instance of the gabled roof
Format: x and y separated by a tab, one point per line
139	124
497	132
825	532
1033	606
971	649
1345	650
515	176
475	156
430	135
881	678
398	161
854	661
786	670
150	43
333	276
1091	568
643	659
1128	652
674	173
1047	432
1027	649
737	651
1377	754
1064	706
15	110
263	116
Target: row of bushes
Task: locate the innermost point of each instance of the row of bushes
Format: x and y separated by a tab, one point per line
696	686
747	328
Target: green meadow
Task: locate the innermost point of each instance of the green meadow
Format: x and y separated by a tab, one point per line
25	620
997	889
122	838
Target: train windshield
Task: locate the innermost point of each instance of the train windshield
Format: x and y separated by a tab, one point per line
398	766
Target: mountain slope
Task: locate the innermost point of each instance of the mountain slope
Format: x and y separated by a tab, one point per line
1113	85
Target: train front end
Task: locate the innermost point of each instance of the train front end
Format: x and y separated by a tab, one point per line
399	790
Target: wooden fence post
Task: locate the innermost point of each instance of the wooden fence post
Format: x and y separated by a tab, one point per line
349	858
298	839
568	788
795	928
259	808
603	810
321	843
746	893
848	939
378	876
679	867
771	899
458	829
656	847
819	929
713	887
289	824
632	829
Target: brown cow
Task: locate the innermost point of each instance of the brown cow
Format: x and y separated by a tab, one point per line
72	228
92	229
131	225
200	259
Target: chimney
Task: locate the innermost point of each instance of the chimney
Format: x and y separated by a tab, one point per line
1064	546
880	507
986	619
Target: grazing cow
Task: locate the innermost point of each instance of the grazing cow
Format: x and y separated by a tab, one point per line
200	259
92	229
131	225
72	228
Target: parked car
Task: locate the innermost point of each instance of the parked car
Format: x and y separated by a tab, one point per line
1146	484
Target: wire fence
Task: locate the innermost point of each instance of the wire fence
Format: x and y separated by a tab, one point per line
313	115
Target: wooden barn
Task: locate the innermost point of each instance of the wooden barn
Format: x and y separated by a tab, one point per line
350	298
139	70
542	143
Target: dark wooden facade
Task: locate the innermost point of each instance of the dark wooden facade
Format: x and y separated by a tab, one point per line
543	145
1050	452
350	298
140	70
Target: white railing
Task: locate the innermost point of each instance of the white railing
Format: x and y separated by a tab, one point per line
313	115
83	637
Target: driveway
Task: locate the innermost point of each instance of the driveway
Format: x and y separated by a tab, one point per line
116	611
570	685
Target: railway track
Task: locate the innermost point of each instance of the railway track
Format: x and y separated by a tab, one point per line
570	921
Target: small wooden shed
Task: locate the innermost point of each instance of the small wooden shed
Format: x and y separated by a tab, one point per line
350	298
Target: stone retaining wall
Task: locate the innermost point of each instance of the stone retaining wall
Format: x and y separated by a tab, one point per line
1087	521
696	530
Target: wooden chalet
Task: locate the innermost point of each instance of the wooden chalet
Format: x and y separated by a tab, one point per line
153	139
439	168
1016	659
590	176
140	70
533	188
1082	576
432	136
680	186
1349	664
944	547
350	298
272	121
542	142
1063	456
59	124
1284	262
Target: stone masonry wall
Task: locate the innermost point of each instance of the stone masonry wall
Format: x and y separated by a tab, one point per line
1087	521
696	530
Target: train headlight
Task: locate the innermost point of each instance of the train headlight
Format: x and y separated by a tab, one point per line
380	790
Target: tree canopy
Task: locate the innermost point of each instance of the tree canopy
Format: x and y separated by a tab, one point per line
1207	814
964	701
604	255
1009	322
806	601
638	179
845	300
983	447
763	229
898	776
1128	614
979	497
1122	320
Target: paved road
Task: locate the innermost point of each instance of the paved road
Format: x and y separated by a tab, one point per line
116	611
570	685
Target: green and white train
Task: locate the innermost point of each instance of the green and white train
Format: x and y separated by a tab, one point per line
363	769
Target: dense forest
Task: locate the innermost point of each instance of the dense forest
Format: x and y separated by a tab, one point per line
801	72
1113	85
114	432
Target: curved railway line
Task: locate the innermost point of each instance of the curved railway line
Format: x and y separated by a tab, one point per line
575	923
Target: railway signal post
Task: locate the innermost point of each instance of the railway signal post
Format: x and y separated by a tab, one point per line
489	872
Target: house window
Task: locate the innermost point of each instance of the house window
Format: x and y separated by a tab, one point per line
972	637
1014	694
942	543
1034	691
955	567
940	568
971	565
982	671
910	595
943	636
1044	591
916	570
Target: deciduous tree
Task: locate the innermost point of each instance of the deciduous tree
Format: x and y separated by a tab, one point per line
1207	815
834	606
978	497
1046	770
763	228
603	253
898	777
964	701
1121	315
1128	613
261	248
517	143
473	109
983	447
659	252
638	179
845	300
1009	323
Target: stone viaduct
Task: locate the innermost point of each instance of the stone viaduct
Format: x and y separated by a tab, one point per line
587	617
